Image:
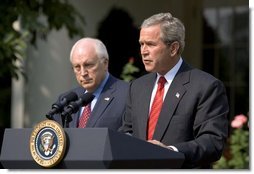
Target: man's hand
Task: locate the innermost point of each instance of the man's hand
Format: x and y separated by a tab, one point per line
159	144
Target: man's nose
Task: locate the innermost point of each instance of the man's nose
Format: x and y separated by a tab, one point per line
144	50
83	71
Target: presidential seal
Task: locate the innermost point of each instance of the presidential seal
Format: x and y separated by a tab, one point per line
47	143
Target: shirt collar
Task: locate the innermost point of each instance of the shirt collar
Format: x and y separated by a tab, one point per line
97	92
169	76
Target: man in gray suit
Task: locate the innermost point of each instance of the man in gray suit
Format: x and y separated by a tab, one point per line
190	110
89	59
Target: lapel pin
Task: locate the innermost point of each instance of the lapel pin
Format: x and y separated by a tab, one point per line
107	98
177	95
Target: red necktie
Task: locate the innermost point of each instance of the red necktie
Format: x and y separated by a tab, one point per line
156	107
85	116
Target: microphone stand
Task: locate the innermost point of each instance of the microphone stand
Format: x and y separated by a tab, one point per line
66	119
66	114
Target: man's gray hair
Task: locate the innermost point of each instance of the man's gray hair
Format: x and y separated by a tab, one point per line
172	28
100	48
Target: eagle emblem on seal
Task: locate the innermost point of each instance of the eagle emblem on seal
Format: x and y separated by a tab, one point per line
47	143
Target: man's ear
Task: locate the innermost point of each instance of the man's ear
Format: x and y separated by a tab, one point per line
174	48
105	61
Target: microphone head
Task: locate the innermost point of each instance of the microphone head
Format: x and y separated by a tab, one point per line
72	96
74	106
58	107
86	98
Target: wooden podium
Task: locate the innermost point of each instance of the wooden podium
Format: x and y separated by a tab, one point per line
91	148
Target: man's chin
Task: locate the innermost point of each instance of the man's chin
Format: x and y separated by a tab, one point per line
86	85
150	69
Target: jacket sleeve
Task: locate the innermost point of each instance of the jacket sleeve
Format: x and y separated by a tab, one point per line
127	120
210	127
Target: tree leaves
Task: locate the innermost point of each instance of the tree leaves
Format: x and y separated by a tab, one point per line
36	19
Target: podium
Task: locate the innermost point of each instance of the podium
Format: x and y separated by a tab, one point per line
91	148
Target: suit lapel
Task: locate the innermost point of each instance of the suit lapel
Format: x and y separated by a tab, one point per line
146	97
174	95
103	101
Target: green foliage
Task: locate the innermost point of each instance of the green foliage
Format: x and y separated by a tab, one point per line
238	150
12	52
24	21
128	70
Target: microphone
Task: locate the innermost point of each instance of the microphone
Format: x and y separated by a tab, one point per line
73	107
58	107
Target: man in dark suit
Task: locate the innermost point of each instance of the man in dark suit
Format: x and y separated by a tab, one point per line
89	59
192	118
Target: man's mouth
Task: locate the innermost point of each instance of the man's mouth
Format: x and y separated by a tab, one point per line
147	61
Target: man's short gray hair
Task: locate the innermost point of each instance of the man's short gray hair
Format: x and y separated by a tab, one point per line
172	28
99	47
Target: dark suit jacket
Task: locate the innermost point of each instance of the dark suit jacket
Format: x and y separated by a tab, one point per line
109	108
193	116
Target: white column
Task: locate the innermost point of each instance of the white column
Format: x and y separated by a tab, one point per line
17	103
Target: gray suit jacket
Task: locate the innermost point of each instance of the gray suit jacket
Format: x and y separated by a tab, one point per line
193	116
106	112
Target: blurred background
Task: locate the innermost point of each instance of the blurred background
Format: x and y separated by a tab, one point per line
37	36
